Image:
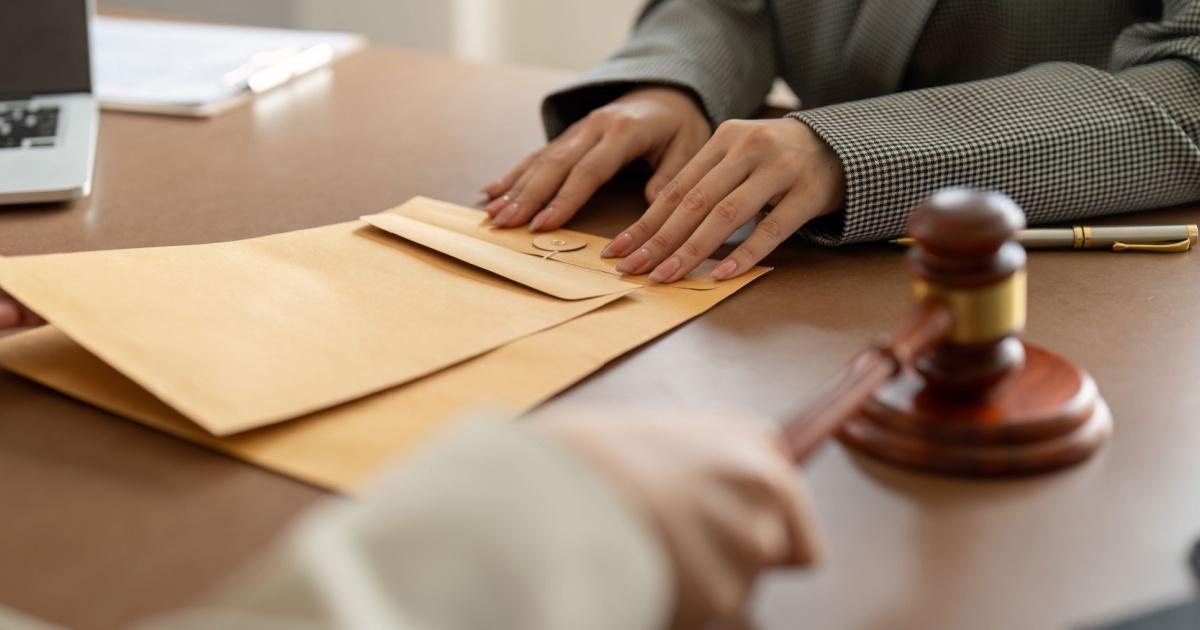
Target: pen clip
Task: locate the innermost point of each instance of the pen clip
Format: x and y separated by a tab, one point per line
1161	248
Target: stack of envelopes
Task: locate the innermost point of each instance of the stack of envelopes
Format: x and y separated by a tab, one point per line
326	353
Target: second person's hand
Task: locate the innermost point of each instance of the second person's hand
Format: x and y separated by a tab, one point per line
661	125
719	491
14	315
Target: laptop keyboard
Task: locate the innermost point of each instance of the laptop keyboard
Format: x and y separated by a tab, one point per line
25	124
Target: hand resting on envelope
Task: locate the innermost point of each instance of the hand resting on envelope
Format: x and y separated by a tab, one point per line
707	184
13	314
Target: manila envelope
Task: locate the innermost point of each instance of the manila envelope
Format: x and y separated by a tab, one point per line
324	354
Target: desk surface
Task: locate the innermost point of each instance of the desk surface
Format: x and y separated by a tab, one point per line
104	520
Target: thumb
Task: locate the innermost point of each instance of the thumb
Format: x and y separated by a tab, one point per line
674	158
13	314
10	315
801	522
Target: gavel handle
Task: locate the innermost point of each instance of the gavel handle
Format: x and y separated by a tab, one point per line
929	322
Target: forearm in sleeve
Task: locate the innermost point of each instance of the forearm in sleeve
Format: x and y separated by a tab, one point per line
492	527
1064	140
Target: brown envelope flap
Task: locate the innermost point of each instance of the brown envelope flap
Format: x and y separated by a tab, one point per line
474	223
562	281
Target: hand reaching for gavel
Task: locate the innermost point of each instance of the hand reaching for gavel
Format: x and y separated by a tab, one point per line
719	491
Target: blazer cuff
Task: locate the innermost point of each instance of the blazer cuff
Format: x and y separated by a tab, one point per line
877	204
835	228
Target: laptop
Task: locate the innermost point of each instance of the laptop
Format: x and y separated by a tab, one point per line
48	116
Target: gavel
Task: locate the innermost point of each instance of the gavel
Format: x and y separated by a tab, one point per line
955	390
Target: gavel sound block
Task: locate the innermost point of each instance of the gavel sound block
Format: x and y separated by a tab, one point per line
955	390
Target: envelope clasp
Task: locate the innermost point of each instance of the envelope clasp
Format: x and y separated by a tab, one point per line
552	243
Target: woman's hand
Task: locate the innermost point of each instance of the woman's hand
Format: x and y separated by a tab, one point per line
746	166
662	125
14	315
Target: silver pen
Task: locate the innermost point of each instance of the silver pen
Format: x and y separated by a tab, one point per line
1118	238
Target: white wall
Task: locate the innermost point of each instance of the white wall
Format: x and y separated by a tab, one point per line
571	34
253	12
567	33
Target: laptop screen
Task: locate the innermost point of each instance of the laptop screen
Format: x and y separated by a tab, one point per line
44	47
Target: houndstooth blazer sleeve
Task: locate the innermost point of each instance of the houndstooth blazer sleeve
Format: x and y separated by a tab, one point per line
714	50
1064	140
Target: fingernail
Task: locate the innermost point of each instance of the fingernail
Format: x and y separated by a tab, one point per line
667	270
655	189
635	262
496	205
504	215
618	245
487	189
725	270
541	218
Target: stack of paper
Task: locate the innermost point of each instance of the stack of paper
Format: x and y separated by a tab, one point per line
201	69
326	353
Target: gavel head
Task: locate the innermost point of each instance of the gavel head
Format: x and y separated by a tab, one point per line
967	256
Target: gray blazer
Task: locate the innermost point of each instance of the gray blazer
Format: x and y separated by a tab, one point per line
1073	107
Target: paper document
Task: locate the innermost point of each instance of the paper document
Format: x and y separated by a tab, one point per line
326	353
201	69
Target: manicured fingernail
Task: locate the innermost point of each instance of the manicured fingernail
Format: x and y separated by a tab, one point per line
635	262
618	246
507	213
542	218
725	270
667	270
496	205
655	189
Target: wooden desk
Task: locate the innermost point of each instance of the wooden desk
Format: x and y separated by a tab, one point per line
104	521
